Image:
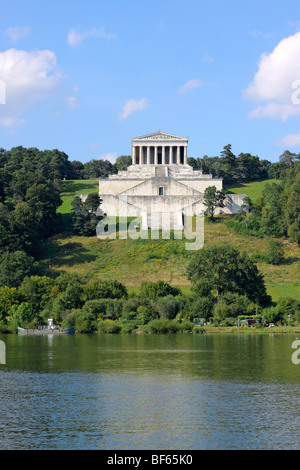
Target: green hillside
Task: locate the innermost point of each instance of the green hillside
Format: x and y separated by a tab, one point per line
133	261
253	189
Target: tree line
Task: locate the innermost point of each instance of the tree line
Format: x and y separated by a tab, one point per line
276	213
245	167
226	285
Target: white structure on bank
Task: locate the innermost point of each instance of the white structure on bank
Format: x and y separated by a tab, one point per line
159	186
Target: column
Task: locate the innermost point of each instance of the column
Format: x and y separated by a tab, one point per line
133	156
141	155
148	155
178	155
170	155
163	155
155	155
185	155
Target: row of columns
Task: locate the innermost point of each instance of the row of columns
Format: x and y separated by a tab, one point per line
163	155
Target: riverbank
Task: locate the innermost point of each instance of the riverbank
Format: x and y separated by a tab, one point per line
250	330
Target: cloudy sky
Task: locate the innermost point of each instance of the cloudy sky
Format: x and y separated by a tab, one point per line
86	76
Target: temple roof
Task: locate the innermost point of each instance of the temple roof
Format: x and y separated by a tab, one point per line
159	135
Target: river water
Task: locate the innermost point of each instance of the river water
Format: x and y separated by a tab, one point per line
149	392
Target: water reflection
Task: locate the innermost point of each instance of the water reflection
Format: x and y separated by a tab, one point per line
149	392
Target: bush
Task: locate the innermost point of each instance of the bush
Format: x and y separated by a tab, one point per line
162	325
153	290
272	315
167	307
97	289
108	326
99	308
275	252
84	323
201	308
146	313
185	326
198	330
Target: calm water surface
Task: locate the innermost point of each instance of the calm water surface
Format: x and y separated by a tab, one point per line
149	392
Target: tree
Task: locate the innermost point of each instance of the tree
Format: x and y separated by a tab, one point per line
86	216
153	290
14	267
224	269
123	162
229	164
213	198
192	162
275	252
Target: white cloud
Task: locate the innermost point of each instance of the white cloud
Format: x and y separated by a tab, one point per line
290	140
75	37
131	106
272	87
73	103
111	157
29	77
17	32
190	85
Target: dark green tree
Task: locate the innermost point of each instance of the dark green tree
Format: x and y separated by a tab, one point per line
14	267
123	162
224	269
213	198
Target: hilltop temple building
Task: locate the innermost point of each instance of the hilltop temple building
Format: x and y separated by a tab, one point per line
160	182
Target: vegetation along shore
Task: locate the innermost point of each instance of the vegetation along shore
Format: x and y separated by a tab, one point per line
53	266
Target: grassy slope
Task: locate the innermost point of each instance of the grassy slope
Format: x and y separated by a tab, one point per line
132	261
253	189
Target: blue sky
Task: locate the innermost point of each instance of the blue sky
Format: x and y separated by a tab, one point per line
86	76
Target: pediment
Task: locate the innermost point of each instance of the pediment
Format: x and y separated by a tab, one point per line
159	135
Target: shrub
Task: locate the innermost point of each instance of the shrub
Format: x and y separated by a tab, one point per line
275	252
201	308
167	307
153	290
272	315
108	326
99	308
162	325
198	330
97	289
185	326
84	323
146	313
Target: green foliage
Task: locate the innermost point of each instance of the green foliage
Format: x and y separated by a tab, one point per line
276	212
14	267
275	252
108	326
163	325
86	216
168	306
152	290
224	269
97	289
213	199
272	314
123	162
99	308
201	307
23	315
9	296
37	291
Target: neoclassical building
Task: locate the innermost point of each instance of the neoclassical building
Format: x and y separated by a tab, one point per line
160	183
159	149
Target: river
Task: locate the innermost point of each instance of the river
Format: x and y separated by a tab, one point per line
146	392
